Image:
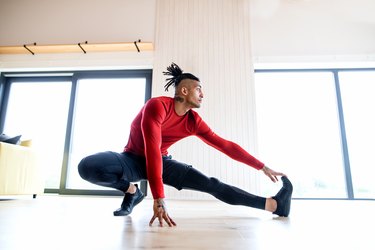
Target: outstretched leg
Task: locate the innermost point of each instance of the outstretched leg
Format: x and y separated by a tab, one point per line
183	176
278	204
195	180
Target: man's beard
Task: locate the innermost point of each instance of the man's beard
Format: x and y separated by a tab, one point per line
194	104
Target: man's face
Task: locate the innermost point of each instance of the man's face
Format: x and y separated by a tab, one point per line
194	94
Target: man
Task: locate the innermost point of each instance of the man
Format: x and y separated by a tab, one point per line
161	122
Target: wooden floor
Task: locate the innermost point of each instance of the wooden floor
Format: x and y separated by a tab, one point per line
85	222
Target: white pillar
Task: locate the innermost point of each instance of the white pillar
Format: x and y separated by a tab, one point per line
211	39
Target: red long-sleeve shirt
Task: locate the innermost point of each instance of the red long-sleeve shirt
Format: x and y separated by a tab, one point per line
157	127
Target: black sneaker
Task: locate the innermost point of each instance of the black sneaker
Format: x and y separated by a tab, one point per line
129	202
284	198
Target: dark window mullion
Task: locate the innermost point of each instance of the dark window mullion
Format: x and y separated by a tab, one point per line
68	136
344	143
4	97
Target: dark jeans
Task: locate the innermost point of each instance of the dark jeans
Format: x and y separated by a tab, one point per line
117	170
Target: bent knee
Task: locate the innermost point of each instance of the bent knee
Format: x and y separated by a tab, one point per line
91	161
87	166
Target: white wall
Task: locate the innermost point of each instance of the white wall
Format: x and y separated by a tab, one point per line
281	30
313	30
73	22
211	39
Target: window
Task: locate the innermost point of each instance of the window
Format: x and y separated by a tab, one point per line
70	115
298	131
38	110
104	111
317	125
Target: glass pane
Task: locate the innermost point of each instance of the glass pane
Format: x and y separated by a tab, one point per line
358	97
104	111
298	132
39	111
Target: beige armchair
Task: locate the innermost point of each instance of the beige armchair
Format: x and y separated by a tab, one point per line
20	173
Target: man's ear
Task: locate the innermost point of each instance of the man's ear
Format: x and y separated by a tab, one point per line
184	90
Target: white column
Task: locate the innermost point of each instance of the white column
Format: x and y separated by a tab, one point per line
211	39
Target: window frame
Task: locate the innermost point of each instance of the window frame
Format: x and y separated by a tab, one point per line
7	78
344	144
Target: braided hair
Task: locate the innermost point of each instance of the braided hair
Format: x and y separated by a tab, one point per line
177	76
